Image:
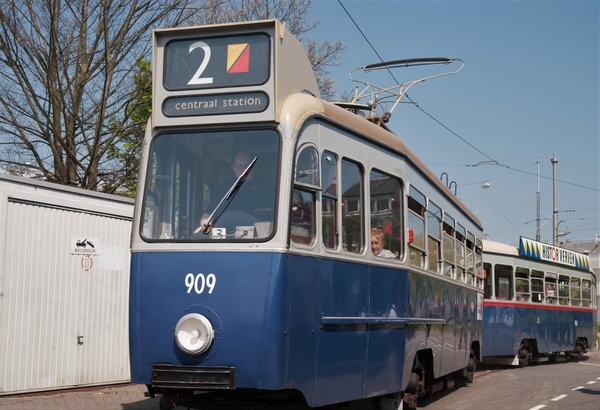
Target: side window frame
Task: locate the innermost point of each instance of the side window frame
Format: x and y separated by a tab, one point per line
353	206
537	286
330	230
303	226
550	288
564	296
503	281
449	249
470	259
488	288
434	237
387	188
522	284
461	255
417	248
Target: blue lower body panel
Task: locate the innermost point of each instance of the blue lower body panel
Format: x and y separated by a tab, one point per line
268	313
550	328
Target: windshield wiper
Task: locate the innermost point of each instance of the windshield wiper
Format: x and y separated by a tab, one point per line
207	226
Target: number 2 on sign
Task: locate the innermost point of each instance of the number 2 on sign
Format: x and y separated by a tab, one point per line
197	79
199	282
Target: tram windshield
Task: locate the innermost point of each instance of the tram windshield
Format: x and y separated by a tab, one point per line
211	186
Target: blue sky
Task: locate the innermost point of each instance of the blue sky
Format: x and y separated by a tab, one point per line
529	89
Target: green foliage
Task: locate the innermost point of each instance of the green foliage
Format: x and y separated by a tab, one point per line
128	144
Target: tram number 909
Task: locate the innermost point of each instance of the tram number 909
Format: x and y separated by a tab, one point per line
200	282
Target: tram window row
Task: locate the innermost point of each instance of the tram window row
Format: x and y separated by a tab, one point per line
521	284
436	242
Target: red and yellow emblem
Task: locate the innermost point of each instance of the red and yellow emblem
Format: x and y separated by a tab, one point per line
238	58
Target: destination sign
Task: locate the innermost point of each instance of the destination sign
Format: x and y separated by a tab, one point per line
217	62
207	104
550	253
226	73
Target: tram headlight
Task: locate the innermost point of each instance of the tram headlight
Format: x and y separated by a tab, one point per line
194	333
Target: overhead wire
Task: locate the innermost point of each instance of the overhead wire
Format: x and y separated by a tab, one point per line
495	162
406	95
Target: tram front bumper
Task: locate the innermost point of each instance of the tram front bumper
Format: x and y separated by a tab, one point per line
193	377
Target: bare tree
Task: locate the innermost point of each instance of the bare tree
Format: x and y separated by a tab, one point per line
294	14
75	81
127	149
67	84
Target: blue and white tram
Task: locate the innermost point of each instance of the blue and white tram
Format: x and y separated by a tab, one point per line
252	276
540	301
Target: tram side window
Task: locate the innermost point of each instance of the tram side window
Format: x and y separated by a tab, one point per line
448	246
479	262
302	213
470	245
503	275
550	288
416	225
487	288
329	200
386	209
434	231
586	293
352	207
575	291
563	290
460	251
522	284
537	286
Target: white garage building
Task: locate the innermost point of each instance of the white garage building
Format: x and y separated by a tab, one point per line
64	286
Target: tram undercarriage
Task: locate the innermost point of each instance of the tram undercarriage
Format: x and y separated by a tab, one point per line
422	384
528	353
254	400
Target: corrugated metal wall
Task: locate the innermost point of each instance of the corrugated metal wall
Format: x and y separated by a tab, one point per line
63	312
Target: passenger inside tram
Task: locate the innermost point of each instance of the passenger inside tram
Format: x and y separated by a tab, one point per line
377	244
521	296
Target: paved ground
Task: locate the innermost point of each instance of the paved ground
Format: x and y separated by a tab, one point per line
117	397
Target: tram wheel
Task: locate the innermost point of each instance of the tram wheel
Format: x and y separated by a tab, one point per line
524	357
578	351
469	371
413	386
166	403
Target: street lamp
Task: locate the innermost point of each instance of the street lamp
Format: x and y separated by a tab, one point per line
566	232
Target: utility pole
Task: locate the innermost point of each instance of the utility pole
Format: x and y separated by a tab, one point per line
554	161
537	225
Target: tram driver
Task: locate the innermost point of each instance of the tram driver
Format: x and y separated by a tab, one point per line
239	210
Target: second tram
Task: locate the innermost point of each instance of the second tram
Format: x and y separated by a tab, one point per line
253	278
540	301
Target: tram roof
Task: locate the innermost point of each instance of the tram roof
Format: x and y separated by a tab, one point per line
390	140
499	247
